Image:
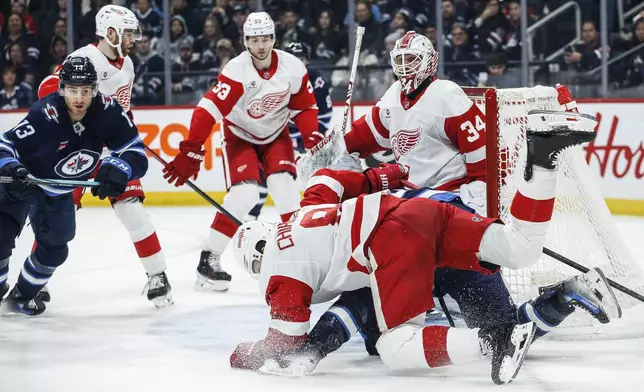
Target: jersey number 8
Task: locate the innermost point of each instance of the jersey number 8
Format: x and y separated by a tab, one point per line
221	89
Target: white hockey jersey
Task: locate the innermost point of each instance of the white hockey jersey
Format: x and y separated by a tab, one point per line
439	135
323	250
257	104
115	78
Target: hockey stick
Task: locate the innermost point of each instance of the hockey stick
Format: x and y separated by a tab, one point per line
196	189
566	261
51	181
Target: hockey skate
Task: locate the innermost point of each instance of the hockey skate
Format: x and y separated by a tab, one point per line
3	290
210	275
544	146
15	302
589	291
508	345
44	295
159	290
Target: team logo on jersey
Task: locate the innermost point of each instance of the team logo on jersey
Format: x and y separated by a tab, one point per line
77	164
51	113
122	96
258	108
107	101
63	145
78	128
404	141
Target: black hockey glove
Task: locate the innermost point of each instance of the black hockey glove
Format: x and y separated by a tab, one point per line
18	189
113	175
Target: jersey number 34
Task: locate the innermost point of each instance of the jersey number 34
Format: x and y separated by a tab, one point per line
473	132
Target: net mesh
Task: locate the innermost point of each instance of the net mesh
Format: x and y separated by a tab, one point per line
582	227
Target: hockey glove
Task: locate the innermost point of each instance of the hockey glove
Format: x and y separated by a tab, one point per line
186	164
113	175
313	139
253	355
387	176
18	189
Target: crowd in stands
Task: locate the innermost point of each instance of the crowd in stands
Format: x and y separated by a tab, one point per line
481	44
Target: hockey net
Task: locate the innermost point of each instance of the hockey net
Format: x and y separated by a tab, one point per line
582	227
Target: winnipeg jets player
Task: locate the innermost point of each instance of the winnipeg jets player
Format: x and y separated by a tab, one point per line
257	93
61	137
329	248
118	30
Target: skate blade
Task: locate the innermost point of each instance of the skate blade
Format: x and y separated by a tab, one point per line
163	301
206	285
522	337
609	305
296	369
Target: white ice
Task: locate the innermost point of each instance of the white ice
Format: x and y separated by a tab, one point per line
100	334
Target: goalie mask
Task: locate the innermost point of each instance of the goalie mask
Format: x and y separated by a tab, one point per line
248	245
413	60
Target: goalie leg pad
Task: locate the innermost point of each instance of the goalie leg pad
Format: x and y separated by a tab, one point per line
132	215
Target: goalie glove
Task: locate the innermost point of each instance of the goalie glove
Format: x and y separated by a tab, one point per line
276	345
186	164
386	176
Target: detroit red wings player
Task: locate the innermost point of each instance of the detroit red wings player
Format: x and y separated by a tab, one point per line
118	29
430	124
256	95
338	242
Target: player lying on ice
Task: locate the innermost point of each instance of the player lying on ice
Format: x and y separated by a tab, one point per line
61	137
393	245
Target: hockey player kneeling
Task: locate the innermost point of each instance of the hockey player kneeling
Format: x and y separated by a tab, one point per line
339	242
61	137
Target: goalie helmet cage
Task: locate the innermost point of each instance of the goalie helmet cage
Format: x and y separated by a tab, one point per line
581	228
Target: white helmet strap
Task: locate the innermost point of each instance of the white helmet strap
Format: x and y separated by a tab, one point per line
117	45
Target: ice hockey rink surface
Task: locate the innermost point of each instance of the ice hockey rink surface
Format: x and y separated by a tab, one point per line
100	334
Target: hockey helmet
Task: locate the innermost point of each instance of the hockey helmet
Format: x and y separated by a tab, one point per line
413	60
298	49
78	71
120	19
248	245
259	24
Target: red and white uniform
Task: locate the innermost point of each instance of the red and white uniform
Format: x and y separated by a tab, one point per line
440	134
329	248
255	106
115	78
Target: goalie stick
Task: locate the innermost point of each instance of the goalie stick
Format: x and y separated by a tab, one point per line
195	188
51	181
566	261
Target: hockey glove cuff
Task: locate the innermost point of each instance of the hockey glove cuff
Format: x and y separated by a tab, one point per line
113	176
387	176
186	164
18	189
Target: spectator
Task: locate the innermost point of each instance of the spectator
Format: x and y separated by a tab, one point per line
206	43
19	7
373	38
289	30
461	50
450	16
402	21
431	33
147	89
586	54
25	72
631	71
152	17
498	75
513	42
327	38
60	27
190	15
221	11
235	30
15	34
57	53
225	52
185	86
490	21
178	31
13	95
59	10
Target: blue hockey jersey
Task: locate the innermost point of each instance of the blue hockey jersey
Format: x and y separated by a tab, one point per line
49	145
322	92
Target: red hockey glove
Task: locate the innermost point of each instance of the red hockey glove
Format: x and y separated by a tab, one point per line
387	176
313	140
186	164
252	355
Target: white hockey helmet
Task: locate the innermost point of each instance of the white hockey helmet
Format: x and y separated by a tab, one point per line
248	245
259	24
413	60
120	19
